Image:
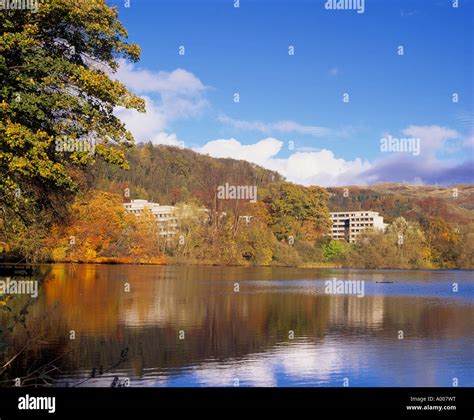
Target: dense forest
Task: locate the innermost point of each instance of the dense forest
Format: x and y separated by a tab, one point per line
169	175
454	204
289	225
444	215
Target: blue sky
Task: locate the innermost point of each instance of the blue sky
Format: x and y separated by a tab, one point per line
291	116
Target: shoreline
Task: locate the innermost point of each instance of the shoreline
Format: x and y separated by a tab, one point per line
316	266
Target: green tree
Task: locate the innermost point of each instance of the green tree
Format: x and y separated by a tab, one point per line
335	251
402	245
255	242
297	210
57	96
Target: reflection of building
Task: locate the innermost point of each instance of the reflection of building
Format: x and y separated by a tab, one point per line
354	312
165	215
348	225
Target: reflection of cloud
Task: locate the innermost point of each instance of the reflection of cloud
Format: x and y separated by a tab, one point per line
299	363
365	361
317	363
253	372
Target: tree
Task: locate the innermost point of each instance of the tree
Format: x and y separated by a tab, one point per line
443	239
56	102
145	241
100	229
374	249
402	245
335	251
255	243
413	250
285	255
192	228
465	259
297	210
96	225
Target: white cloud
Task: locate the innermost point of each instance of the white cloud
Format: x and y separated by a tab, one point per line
260	152
321	167
167	139
177	82
433	137
286	126
143	125
426	168
469	142
180	96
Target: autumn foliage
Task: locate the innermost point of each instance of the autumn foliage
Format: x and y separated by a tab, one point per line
100	230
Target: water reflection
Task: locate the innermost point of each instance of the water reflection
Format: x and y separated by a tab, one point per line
243	338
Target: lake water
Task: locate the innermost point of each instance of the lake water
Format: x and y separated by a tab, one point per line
235	326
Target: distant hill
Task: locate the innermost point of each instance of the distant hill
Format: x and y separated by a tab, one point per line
439	232
455	204
168	175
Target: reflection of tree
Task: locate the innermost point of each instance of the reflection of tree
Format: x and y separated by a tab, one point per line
419	318
218	323
19	340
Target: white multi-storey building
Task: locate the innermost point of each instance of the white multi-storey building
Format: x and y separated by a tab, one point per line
348	225
165	215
